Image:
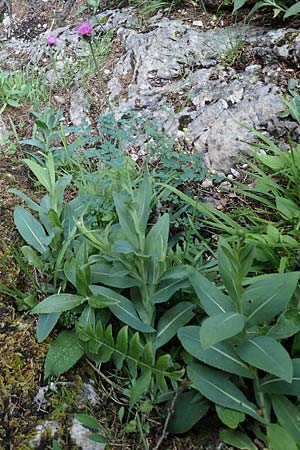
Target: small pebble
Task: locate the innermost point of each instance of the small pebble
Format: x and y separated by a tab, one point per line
207	184
235	173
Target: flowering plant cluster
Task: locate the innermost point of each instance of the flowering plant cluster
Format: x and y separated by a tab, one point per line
84	30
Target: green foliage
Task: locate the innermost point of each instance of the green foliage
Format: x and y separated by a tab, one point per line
244	348
287	8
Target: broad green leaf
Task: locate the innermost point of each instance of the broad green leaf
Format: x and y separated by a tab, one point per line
288	416
292	11
143	201
230	417
212	299
128	226
266	298
287	325
140	386
88	421
280	438
63	353
287	208
56	446
124	310
100	301
276	385
96	437
109	275
217	387
171	321
157	239
31	230
267	354
87	317
30	203
238	4
237	439
221	355
168	288
220	327
58	303
122	347
190	401
32	257
40	172
45	325
234	267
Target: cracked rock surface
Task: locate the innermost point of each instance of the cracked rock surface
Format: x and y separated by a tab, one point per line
192	80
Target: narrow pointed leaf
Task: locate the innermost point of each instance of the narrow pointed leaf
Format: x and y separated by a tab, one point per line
267	354
237	439
280	438
276	385
45	325
171	321
221	355
124	310
288	416
58	303
220	327
267	298
31	230
212	299
140	387
217	387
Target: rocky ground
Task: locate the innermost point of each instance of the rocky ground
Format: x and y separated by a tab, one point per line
201	76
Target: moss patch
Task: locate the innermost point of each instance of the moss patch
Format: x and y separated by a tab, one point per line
21	362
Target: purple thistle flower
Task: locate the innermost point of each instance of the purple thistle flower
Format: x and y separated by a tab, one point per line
84	29
51	40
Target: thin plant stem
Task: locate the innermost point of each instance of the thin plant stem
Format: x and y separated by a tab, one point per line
104	92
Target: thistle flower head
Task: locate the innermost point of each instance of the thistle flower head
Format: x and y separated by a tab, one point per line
84	29
51	40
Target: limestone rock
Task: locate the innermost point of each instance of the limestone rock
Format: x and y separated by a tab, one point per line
79	434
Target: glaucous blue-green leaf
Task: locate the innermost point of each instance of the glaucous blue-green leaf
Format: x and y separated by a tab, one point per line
217	387
45	325
288	415
266	298
171	321
168	288
58	303
104	274
157	239
276	385
63	353
222	356
87	317
211	298
41	173
124	310
220	327
292	10
101	301
280	438
30	203
287	325
267	354
196	405
237	439
31	230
